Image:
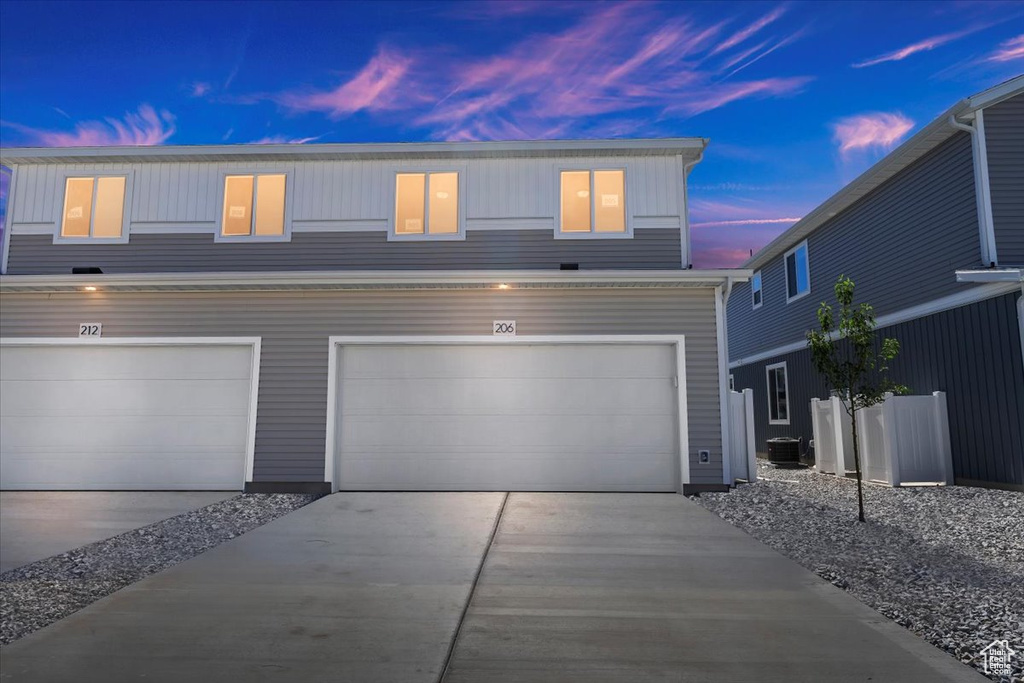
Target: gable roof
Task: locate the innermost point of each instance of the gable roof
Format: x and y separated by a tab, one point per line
922	142
689	148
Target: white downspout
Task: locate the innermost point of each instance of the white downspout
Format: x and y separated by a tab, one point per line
722	293
979	154
685	222
5	239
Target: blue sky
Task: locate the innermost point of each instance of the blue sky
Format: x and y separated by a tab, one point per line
797	98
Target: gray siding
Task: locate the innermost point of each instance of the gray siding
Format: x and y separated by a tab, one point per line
972	353
291	422
1004	136
486	249
901	245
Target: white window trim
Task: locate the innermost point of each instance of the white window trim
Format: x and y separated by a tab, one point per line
289	188
127	174
255	343
785	273
678	342
760	278
425	236
768	387
593	235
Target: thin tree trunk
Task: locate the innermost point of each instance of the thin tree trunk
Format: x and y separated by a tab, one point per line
856	465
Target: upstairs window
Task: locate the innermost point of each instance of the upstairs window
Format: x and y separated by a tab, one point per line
755	288
593	202
798	277
778	394
254	205
427	205
93	207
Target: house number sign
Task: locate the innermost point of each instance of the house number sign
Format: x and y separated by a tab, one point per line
504	328
90	329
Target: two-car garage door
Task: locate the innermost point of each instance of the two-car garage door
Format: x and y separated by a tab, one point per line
125	416
527	417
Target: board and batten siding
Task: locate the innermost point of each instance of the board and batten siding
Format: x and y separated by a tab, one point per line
973	353
295	326
481	250
1004	137
177	200
901	245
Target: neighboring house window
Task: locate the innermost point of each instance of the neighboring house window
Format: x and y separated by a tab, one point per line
755	287
593	202
427	204
778	394
254	205
93	207
798	277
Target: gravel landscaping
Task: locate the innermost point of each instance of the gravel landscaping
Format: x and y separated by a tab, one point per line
945	562
46	591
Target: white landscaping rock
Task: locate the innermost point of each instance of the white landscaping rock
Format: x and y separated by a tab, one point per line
945	562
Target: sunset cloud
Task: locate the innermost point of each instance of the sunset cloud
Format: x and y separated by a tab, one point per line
879	130
1008	50
626	59
146	126
283	140
914	48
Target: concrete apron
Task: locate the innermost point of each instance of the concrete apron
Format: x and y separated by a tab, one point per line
576	587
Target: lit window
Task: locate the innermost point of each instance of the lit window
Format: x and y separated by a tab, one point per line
93	207
778	394
593	202
427	203
755	288
798	277
253	205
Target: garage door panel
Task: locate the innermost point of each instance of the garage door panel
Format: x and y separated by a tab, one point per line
124	417
127	397
128	362
557	417
505	396
503	361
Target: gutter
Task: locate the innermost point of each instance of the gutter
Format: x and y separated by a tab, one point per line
982	193
256	281
722	293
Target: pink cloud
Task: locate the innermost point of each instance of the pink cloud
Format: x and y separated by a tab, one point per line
283	140
914	48
719	257
199	89
375	87
871	130
626	59
1008	50
144	127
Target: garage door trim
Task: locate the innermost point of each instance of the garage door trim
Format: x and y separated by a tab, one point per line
676	341
255	343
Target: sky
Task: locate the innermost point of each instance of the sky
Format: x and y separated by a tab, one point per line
797	98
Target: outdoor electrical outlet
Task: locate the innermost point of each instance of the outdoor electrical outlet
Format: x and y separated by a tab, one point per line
704	457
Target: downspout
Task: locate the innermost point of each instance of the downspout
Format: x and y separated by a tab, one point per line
722	293
979	154
685	223
5	236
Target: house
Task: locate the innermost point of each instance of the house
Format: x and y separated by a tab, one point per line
933	237
421	316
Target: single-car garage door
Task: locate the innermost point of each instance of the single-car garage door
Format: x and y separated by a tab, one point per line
124	417
522	417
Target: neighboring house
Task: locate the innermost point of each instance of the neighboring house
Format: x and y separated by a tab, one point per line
933	238
436	316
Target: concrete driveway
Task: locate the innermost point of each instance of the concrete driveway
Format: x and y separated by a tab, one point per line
476	587
39	524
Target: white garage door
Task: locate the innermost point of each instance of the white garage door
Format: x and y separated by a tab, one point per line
558	417
113	417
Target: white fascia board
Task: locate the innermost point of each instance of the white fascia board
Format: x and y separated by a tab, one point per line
962	298
355	151
374	279
998	93
991	275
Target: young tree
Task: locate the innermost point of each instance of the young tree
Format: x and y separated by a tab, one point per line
845	356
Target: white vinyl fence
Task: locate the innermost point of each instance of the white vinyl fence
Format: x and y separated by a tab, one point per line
904	440
743	456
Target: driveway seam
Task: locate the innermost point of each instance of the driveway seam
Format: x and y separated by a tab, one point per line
472	590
